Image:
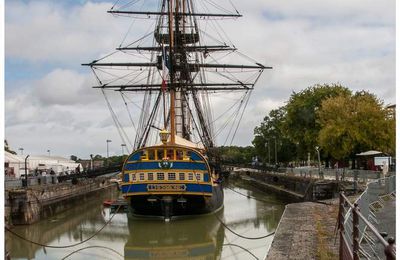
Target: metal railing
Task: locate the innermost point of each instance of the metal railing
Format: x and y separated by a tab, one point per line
359	238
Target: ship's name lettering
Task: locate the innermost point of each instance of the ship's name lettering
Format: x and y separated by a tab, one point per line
166	187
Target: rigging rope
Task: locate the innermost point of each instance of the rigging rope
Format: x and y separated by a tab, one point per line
66	246
84	248
223	223
245	249
120	129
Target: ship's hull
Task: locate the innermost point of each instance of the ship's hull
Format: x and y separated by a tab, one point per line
170	180
167	206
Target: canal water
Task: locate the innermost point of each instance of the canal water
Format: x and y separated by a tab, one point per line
246	211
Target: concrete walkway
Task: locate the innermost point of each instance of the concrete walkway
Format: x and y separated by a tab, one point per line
306	231
386	223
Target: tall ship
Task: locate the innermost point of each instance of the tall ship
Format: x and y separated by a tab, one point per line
174	69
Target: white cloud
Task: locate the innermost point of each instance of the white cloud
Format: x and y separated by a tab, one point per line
307	42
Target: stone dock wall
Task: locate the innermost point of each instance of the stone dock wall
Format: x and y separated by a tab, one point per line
295	188
27	206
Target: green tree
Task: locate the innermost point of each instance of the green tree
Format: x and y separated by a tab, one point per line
270	136
353	124
300	123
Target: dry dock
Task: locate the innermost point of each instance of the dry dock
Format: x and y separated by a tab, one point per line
29	205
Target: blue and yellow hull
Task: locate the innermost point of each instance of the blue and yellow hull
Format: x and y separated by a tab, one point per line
170	181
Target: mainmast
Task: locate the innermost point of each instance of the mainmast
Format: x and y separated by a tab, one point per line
171	71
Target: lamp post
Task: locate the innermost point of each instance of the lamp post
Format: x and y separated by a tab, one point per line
269	154
276	152
22	150
319	162
91	162
26	171
107	141
48	152
122	148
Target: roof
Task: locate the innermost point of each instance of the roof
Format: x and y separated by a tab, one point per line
369	153
9	157
181	141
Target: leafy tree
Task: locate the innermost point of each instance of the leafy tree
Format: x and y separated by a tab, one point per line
300	123
353	124
270	136
236	154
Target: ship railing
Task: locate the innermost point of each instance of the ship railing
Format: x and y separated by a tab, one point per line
359	237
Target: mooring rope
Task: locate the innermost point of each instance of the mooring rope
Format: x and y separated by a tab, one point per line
66	246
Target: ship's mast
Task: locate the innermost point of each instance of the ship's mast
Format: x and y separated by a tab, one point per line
171	71
177	30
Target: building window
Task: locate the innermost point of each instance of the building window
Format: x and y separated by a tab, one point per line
190	176
141	176
150	176
171	176
181	176
160	176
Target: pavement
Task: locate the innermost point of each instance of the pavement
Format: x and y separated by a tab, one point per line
386	217
306	231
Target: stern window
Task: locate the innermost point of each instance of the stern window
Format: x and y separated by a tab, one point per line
150	176
171	176
190	176
160	176
198	176
151	154
160	154
170	154
141	176
179	155
133	176
181	176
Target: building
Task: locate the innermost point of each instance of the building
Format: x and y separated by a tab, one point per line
39	164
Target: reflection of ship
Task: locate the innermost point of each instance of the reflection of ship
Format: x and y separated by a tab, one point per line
177	173
193	238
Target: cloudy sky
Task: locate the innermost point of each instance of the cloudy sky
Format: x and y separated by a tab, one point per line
50	105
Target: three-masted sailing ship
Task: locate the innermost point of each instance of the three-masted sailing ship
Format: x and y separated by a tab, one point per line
176	172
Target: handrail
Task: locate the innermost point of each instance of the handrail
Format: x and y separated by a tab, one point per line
354	220
373	229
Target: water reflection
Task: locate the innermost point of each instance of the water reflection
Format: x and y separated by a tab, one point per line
201	237
190	238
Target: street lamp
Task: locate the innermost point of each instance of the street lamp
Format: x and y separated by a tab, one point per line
22	150
107	141
276	152
122	148
269	154
319	162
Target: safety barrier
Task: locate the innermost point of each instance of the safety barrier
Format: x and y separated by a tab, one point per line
358	236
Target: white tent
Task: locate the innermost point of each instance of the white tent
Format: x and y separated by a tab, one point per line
13	164
369	153
42	163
